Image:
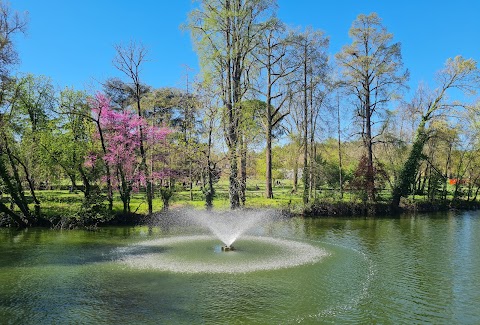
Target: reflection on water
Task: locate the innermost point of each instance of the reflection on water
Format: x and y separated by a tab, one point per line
416	269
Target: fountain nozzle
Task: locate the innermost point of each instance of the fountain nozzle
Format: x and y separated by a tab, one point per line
227	248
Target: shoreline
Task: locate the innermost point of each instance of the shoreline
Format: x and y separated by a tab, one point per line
314	210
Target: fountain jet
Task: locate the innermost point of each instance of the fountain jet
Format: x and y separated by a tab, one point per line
227	226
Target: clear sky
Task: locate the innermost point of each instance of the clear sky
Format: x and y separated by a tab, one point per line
72	41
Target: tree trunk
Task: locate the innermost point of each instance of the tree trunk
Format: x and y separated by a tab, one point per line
15	217
312	145
124	189
210	169
268	158
233	160
268	153
190	176
107	168
476	194
32	189
370	177
15	189
86	182
295	175
339	149
305	175
447	166
243	169
143	155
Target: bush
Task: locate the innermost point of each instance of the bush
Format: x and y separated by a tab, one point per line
93	209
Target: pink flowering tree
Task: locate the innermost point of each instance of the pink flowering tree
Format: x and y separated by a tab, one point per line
119	133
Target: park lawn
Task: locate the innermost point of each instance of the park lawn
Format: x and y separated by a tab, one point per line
63	203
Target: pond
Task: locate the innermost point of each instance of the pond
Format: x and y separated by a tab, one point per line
413	269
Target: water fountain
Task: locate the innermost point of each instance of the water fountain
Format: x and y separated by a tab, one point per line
254	250
228	226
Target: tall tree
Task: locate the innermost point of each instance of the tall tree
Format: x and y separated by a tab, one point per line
373	74
249	131
310	52
35	101
274	56
225	33
129	60
190	133
459	73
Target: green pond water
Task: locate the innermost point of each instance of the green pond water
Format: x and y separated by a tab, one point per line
410	270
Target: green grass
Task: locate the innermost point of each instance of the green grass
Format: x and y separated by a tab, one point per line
56	203
64	203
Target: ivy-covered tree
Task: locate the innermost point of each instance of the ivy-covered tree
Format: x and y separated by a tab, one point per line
459	73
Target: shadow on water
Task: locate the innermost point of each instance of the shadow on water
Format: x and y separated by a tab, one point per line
44	247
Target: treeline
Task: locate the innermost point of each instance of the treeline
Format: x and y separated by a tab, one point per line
247	54
260	81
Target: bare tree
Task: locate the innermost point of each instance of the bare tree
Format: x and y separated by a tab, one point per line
310	52
372	72
275	60
129	60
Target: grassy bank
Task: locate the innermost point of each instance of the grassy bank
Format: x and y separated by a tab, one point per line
63	206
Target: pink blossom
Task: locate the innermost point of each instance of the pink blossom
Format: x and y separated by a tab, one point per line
122	136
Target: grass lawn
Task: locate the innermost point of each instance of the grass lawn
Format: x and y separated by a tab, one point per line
63	203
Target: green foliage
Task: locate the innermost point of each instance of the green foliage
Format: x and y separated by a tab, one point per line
328	174
93	209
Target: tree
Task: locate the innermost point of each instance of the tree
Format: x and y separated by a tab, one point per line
472	167
310	52
211	172
98	105
248	131
187	121
10	24
30	117
372	73
179	110
122	138
23	120
69	138
274	56
459	73
129	60
225	33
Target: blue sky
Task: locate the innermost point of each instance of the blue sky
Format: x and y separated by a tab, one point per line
72	41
